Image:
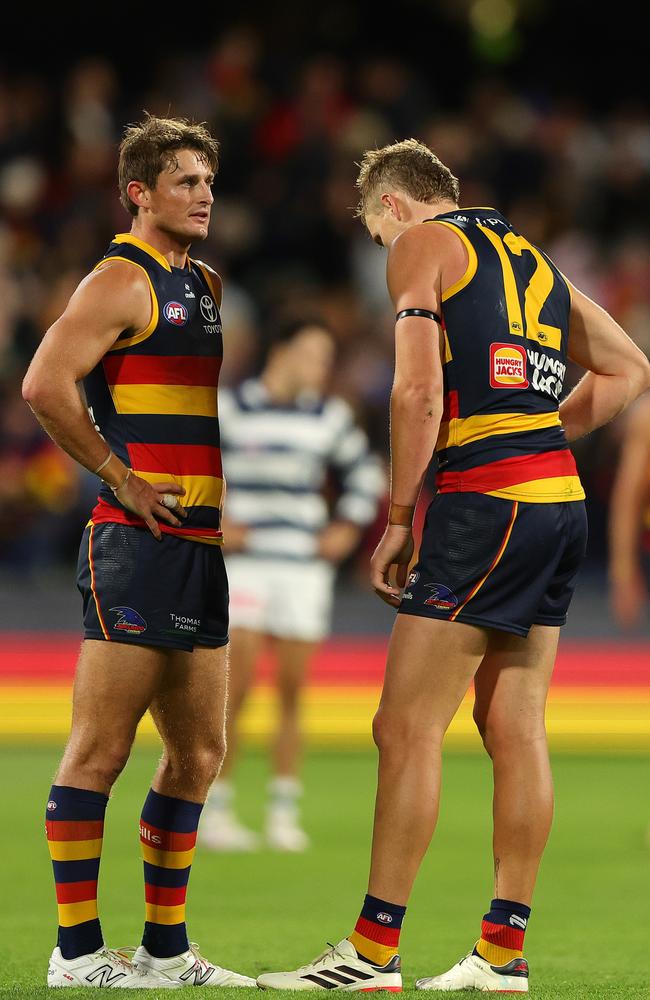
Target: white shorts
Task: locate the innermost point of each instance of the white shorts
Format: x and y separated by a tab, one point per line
282	597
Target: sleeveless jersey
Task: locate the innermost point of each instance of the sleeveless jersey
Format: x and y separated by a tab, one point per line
153	396
505	326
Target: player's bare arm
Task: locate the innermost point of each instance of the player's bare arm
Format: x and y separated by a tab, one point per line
631	493
617	371
421	261
111	299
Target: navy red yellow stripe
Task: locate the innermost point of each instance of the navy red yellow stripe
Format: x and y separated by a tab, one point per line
153	396
377	931
505	325
74	824
503	930
168	830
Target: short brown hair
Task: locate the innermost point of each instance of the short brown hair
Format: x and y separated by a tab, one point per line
150	147
408	165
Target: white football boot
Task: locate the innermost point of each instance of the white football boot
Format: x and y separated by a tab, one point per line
220	830
337	968
475	973
189	969
283	830
104	967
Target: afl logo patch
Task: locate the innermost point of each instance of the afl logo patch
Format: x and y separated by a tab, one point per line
385	918
51	806
176	313
508	366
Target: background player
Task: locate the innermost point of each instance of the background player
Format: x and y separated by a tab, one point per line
280	435
143	330
484	324
629	535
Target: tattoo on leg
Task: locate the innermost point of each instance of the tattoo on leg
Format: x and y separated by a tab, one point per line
497	862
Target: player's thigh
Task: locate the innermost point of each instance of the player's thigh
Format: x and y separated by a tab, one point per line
114	684
430	666
188	707
245	648
512	682
293	659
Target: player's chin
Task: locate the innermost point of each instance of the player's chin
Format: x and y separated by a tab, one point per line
200	227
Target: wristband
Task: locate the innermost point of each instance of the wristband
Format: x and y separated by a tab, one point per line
399	514
105	462
123	483
426	313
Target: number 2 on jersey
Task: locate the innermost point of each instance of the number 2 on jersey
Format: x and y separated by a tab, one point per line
537	291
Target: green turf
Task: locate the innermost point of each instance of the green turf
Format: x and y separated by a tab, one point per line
590	932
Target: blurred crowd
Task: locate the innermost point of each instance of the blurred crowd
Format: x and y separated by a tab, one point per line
284	235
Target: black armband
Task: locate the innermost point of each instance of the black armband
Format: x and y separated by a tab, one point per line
418	312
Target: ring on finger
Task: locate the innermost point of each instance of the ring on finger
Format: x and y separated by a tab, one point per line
169	500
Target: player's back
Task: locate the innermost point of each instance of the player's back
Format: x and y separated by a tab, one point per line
506	326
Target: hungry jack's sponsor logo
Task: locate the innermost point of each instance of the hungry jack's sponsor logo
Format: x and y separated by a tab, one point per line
508	366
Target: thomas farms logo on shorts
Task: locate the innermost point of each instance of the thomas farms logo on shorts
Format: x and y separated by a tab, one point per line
129	620
441	598
508	366
176	313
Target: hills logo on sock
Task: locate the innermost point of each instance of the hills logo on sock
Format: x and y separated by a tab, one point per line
385	918
517	921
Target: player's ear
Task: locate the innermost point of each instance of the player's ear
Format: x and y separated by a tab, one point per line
138	193
392	204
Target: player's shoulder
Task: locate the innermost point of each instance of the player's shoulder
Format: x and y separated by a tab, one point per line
338	410
214	278
424	241
113	283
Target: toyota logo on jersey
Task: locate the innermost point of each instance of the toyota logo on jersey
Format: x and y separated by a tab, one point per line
176	313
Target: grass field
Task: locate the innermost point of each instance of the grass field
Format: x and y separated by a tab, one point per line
589	935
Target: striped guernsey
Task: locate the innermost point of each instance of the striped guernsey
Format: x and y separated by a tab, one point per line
505	325
153	396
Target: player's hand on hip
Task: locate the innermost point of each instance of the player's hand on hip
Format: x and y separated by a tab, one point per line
394	549
150	501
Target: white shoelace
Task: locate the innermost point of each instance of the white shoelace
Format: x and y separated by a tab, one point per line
329	952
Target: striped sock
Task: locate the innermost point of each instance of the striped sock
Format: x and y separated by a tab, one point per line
167	838
376	933
74	824
502	932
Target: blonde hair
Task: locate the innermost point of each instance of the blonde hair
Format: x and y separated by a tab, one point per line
150	147
408	165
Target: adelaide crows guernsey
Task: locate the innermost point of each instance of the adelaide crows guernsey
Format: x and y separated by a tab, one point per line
505	325
153	396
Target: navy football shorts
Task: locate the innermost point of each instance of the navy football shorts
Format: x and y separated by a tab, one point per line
172	593
501	564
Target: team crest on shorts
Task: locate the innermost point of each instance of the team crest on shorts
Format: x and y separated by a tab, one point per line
508	366
129	620
441	598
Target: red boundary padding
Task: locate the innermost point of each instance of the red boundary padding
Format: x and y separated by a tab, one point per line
49	658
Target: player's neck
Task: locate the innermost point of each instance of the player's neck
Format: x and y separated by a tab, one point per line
174	253
430	210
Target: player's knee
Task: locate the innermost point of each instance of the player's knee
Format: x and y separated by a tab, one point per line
199	761
400	733
98	762
506	735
